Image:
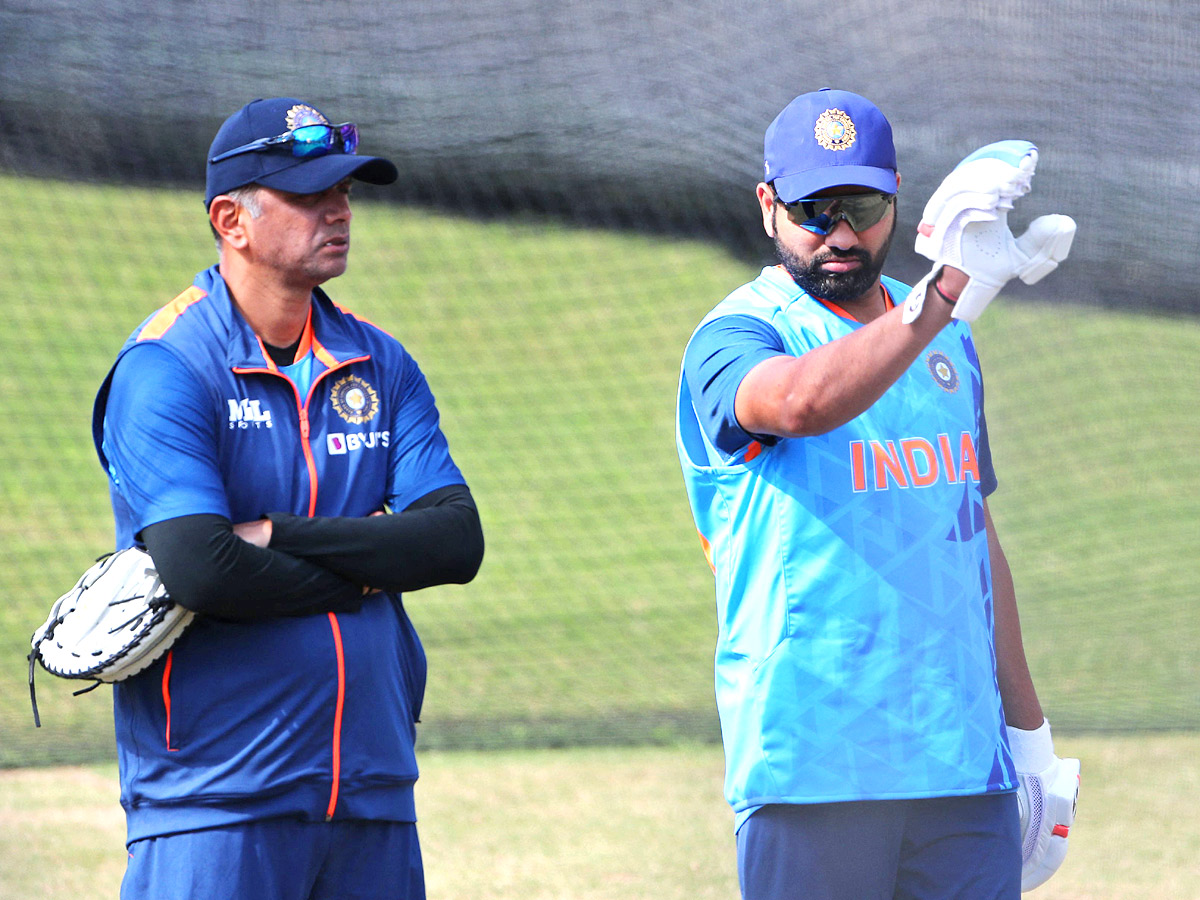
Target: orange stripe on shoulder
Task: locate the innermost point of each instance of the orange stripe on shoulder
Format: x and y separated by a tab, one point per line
352	314
167	316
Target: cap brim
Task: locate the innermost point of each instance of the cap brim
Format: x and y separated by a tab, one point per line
790	188
311	176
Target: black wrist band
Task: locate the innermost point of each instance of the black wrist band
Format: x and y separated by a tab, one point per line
943	294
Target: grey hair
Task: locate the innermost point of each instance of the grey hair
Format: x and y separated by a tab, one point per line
245	197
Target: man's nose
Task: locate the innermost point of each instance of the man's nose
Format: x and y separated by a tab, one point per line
339	208
841	235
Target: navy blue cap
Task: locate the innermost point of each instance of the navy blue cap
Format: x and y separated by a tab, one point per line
828	138
276	167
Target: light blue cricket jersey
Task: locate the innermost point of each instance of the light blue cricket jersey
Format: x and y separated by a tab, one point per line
855	656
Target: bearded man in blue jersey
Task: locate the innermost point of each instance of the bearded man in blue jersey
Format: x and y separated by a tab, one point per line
281	460
882	734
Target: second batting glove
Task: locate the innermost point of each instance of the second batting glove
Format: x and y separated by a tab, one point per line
1047	796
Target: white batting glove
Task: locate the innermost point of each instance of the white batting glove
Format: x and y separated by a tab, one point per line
1047	797
965	225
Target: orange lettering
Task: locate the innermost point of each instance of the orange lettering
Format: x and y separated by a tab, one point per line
858	466
969	464
912	447
947	457
887	461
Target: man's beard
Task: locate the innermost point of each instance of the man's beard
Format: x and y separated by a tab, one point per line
836	287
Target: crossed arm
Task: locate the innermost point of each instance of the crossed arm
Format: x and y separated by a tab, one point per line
295	565
159	422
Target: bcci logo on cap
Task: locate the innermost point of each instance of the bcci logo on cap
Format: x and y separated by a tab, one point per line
835	130
302	114
354	400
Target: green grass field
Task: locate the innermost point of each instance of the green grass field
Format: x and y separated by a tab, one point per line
622	823
554	355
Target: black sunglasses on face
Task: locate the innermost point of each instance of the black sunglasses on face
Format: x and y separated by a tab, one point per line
820	214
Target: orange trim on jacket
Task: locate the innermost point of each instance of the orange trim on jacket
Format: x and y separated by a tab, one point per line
167	316
308	337
166	693
336	628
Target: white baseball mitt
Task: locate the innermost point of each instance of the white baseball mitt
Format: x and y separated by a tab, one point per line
115	622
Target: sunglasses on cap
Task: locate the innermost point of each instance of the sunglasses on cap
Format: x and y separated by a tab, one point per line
820	214
304	140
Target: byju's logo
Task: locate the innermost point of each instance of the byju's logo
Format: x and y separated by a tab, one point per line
340	444
248	413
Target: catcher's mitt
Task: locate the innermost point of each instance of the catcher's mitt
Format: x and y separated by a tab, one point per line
115	622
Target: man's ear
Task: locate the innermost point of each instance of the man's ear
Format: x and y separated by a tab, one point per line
226	218
766	203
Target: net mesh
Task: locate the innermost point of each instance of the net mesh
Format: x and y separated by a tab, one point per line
576	192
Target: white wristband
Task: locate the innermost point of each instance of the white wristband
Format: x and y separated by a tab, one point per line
1032	751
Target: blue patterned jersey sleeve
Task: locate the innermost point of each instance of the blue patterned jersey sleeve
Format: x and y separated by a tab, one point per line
718	357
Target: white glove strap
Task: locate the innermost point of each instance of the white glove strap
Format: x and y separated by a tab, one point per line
974	299
971	303
915	301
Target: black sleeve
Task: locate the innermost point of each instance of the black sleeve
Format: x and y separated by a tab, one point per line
437	539
209	569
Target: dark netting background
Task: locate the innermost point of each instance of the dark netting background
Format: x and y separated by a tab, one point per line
576	191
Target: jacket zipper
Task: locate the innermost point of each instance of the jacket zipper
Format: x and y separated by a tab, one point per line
334	626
